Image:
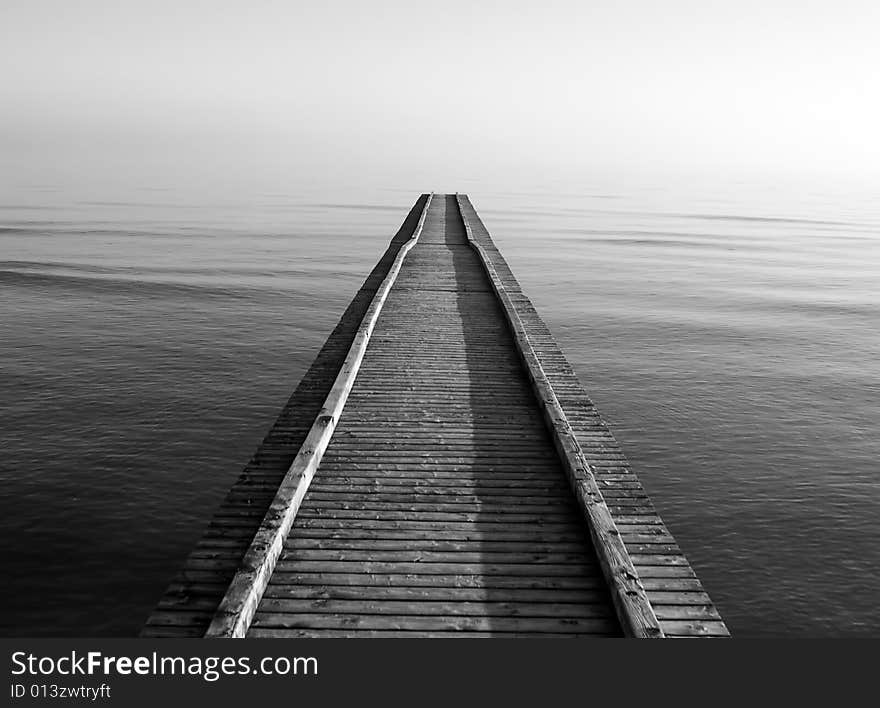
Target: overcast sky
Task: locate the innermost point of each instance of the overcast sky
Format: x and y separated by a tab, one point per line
441	91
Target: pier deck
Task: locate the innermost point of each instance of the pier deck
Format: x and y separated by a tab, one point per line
468	486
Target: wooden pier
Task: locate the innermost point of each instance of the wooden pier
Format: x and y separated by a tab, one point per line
438	472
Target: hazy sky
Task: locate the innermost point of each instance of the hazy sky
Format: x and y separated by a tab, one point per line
433	92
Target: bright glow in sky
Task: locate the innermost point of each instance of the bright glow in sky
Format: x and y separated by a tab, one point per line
428	93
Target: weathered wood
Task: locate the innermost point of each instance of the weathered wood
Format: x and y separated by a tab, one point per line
450	633
442	608
551	583
441	594
435	356
426	557
442	504
495	625
236	610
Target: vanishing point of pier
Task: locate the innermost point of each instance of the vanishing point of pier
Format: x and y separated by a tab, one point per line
438	472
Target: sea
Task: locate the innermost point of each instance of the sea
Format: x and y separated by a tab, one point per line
728	333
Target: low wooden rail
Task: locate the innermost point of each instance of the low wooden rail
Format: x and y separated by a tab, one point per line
438	472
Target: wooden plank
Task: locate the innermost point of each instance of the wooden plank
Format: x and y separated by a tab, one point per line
439	487
427	624
451	633
695	628
441	594
442	608
325	579
530	505
578	558
487	518
480	525
481	568
439	535
298	542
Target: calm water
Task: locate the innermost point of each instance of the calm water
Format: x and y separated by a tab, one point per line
729	337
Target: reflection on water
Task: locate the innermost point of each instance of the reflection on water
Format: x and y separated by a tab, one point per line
728	337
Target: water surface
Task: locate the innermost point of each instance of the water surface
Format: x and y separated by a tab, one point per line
149	336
